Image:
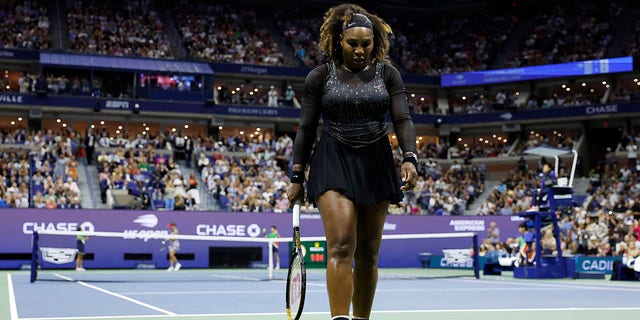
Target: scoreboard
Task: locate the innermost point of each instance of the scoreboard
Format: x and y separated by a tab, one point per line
314	252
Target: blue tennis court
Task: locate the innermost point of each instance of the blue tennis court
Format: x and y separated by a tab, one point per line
248	294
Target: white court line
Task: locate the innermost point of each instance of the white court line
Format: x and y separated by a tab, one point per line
146	305
309	284
452	311
237	277
174	292
541	287
563	285
261	279
508	310
197	292
13	309
221	315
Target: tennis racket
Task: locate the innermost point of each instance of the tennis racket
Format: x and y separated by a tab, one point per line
297	274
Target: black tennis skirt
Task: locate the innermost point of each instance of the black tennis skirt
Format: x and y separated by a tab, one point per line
366	175
80	246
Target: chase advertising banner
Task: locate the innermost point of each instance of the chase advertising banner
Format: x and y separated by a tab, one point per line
18	225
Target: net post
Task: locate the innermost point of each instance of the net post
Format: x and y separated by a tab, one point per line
270	267
476	258
34	257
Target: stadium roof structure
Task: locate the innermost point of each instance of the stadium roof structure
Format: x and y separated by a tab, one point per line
124	63
546	151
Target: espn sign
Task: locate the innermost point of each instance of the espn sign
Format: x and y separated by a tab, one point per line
116	104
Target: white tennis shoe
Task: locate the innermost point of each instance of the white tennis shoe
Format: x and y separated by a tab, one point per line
178	266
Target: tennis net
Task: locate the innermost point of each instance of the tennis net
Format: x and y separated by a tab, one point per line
57	250
403	256
413	256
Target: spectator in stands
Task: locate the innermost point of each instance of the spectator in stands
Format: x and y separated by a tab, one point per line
349	36
6	201
50	203
610	156
178	145
289	95
104	140
548	242
193	182
493	233
190	203
522	166
21	200
179	203
62	203
90	142
157	194
38	200
169	195
103	158
59	171
188	152
632	154
75	203
203	161
272	97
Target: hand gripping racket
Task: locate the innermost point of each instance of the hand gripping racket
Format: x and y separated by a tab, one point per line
297	274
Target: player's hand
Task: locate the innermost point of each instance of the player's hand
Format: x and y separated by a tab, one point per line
409	176
295	193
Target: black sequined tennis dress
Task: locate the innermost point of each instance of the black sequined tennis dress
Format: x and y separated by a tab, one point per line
354	155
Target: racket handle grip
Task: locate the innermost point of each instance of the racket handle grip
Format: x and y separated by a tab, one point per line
296	215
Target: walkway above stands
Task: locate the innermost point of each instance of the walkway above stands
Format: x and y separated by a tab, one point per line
124	64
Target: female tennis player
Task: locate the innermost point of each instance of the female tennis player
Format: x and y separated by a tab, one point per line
353	176
80	241
173	247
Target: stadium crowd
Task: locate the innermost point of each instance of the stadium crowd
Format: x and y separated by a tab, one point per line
225	33
235	33
605	223
25	25
117	28
42	173
238	33
568	31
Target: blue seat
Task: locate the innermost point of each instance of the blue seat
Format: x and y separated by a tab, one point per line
224	202
158	204
36	188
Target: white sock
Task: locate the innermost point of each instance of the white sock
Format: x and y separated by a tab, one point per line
340	318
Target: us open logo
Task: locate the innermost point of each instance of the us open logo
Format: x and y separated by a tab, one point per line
147	220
